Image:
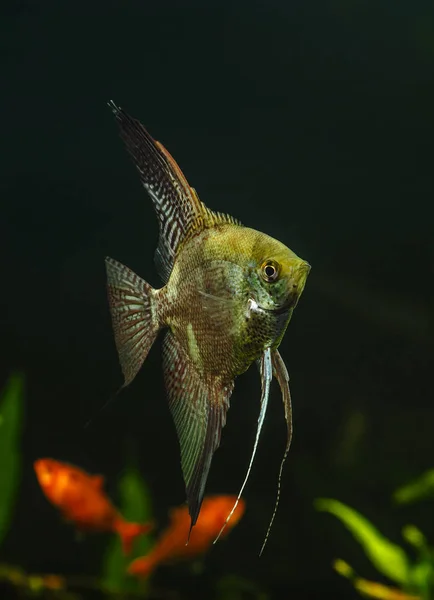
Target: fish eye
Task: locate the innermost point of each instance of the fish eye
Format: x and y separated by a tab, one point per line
270	271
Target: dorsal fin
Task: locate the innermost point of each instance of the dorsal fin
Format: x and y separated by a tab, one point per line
180	212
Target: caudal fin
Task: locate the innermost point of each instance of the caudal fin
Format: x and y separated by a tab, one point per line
129	531
135	323
141	567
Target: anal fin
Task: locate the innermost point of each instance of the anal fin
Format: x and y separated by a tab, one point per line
199	405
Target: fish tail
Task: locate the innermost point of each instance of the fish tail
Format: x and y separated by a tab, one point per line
142	567
134	315
128	532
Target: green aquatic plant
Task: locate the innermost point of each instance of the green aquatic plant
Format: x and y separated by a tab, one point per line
135	505
11	417
370	589
415	577
418	489
387	557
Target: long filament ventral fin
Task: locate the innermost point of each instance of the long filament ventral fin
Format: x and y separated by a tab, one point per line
266	376
281	374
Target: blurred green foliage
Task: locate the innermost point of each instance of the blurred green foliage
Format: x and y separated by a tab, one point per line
135	505
418	489
387	557
414	576
371	589
11	417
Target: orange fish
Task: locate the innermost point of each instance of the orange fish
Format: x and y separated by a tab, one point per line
172	543
82	501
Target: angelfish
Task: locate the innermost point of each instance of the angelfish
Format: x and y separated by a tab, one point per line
228	295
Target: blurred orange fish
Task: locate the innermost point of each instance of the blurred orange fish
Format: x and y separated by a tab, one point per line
82	501
171	545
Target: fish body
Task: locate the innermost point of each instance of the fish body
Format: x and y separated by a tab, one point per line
171	546
228	297
82	501
207	302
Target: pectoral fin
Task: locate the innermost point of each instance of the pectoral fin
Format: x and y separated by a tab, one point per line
198	404
220	296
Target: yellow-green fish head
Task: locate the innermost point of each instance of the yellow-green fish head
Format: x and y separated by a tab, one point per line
278	275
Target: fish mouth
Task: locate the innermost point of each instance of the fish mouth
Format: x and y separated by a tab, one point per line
279	310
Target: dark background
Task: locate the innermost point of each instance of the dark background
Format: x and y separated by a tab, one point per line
311	120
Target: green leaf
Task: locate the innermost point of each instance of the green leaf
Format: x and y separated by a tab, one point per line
135	505
387	557
11	415
343	568
414	536
421	576
418	489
